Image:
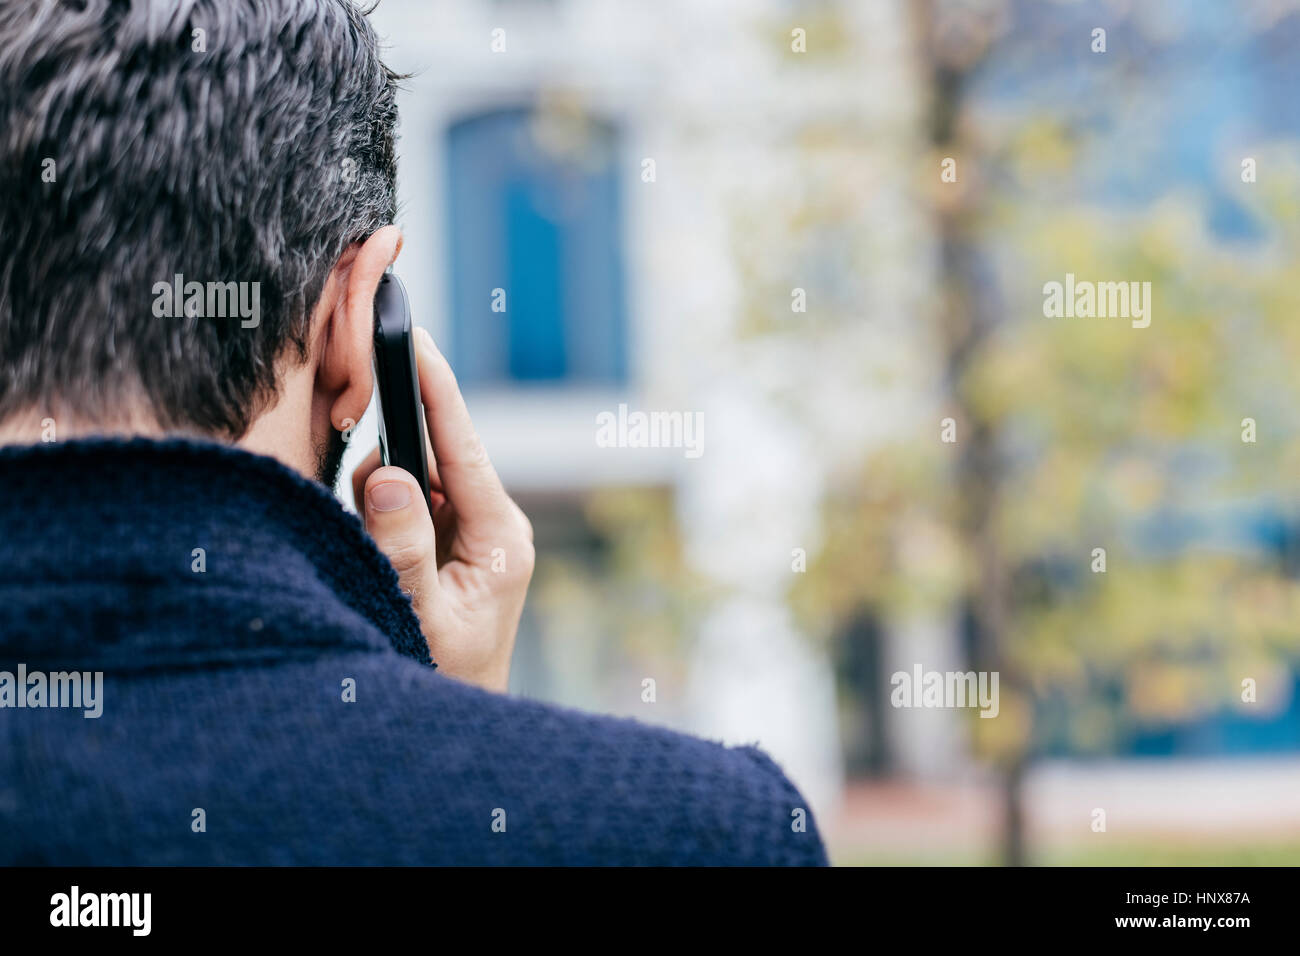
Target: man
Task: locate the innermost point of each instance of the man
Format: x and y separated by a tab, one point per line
203	658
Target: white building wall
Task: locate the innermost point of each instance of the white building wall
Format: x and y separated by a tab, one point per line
704	89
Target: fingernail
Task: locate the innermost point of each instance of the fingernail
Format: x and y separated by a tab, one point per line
389	496
425	338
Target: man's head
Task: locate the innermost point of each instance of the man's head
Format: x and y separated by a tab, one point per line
149	144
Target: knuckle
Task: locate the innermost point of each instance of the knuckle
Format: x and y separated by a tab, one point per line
407	553
527	559
476	454
512	564
524	523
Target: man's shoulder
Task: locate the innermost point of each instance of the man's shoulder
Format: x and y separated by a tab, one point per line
691	800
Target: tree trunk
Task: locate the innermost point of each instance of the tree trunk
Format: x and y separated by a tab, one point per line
965	323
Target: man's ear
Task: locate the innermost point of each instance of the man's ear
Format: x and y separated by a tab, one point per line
343	375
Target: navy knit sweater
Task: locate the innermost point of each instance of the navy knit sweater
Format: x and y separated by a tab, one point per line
225	736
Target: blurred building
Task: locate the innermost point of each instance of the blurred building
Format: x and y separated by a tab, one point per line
683	212
724	212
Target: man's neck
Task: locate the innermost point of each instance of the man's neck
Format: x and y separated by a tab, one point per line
34	427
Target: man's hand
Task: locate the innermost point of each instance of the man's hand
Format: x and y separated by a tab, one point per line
465	556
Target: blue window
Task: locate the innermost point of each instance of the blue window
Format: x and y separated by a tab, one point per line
534	211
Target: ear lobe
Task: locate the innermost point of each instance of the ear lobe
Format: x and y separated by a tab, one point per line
345	369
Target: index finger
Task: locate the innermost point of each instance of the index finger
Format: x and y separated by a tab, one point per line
468	479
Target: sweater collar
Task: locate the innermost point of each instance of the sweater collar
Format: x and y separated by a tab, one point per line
138	553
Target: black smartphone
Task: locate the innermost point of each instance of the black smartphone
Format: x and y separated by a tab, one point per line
401	413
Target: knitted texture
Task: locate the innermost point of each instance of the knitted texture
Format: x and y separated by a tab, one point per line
224	692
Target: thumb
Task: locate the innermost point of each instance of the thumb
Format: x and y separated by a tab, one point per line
397	517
